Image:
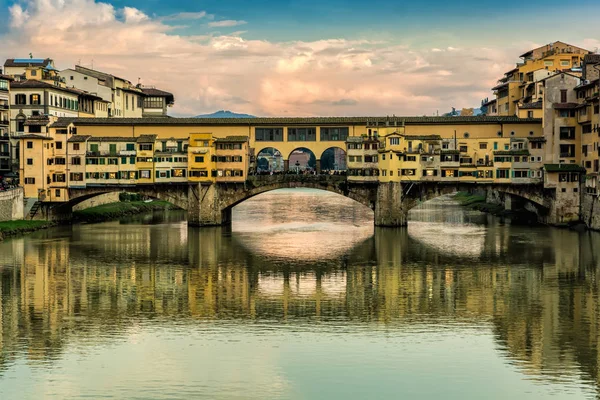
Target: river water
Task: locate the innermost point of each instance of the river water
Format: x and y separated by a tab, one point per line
301	299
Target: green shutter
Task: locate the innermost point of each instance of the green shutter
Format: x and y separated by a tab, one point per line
102	161
168	174
157	174
123	160
131	160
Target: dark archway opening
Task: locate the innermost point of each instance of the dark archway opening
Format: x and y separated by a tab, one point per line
269	160
302	160
333	159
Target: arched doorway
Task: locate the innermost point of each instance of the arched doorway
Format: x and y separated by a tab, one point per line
333	159
302	160
269	160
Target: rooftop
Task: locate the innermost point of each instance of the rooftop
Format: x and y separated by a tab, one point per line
78	138
229	139
35	84
34	136
153	92
146	139
422	137
381	121
112	139
27	62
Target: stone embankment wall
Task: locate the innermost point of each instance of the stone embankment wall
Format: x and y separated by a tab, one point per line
11	205
590	211
98	201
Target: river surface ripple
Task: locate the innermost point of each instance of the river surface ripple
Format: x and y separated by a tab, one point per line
301	299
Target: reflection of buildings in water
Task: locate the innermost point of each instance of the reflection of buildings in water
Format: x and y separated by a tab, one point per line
301	224
544	308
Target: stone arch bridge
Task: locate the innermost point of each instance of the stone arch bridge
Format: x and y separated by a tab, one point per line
211	204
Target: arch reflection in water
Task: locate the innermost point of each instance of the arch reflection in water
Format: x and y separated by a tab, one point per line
212	300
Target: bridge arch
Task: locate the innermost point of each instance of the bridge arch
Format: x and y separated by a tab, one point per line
333	158
269	159
532	199
334	184
302	159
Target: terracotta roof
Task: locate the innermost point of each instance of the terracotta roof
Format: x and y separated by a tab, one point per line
422	137
303	121
500	86
34	136
7	77
237	139
112	139
78	138
62	122
565	106
33	84
146	139
531	106
133	90
563	168
37	122
152	92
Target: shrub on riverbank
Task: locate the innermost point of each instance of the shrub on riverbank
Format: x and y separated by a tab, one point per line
112	211
13	228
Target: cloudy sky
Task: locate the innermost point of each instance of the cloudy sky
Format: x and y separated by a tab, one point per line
299	57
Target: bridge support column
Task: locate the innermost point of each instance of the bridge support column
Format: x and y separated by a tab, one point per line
508	202
389	210
318	167
204	206
62	213
286	165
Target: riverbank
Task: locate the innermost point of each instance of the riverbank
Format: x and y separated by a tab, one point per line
21	227
107	212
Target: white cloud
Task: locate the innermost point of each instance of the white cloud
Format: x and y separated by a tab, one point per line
212	72
133	15
226	23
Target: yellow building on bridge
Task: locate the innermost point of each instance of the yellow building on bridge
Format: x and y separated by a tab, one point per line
87	152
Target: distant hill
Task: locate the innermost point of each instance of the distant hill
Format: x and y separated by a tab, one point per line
224	114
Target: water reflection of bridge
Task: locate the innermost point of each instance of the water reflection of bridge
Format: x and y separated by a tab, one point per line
544	309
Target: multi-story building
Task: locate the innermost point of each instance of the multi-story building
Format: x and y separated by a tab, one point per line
6	148
521	85
362	154
124	99
156	101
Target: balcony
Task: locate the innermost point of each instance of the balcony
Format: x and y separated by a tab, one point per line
4	122
4	106
567	155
